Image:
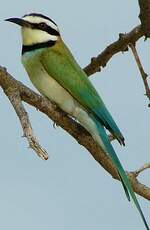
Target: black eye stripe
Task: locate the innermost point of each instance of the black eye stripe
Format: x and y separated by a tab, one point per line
43	26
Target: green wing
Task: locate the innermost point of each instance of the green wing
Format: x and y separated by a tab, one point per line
61	65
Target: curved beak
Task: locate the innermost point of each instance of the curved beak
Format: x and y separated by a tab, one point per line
18	21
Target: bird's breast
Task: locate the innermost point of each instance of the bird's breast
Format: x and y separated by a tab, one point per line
48	86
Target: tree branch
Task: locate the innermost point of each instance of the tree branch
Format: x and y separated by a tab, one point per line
145	16
118	46
71	126
133	177
13	94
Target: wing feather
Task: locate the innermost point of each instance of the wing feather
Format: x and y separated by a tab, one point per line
61	65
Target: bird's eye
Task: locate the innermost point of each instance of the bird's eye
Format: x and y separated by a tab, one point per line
42	25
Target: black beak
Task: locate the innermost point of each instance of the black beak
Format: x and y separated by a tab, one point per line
18	21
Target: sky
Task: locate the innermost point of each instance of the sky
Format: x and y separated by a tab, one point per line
71	190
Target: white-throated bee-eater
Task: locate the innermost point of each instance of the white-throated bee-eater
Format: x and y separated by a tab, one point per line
54	72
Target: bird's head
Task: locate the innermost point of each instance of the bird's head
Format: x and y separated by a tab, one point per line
37	29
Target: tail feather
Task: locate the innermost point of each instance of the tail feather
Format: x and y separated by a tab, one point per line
123	177
125	189
108	122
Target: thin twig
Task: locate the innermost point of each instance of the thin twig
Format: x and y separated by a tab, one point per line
141	69
141	169
14	97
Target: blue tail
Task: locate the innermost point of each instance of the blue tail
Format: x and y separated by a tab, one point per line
123	177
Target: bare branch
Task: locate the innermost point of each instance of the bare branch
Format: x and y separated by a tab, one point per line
141	69
71	126
13	94
119	46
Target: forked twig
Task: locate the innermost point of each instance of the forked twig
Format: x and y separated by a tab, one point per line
141	169
141	69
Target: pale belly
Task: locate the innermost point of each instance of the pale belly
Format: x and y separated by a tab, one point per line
49	87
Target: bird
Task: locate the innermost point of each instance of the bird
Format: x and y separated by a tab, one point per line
55	73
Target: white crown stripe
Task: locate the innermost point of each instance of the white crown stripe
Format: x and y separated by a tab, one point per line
36	19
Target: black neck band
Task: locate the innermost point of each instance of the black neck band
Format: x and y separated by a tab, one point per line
37	46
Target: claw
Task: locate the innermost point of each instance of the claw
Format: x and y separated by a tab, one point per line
55	125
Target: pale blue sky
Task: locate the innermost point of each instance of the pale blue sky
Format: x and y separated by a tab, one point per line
71	191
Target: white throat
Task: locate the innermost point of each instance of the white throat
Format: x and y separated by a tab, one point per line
33	36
